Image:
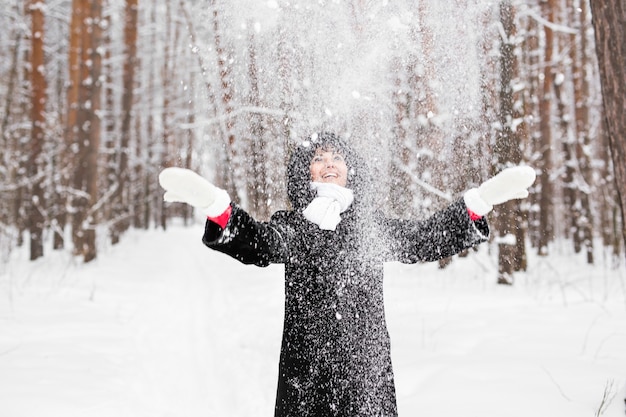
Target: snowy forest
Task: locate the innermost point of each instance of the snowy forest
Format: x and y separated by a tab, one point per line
97	97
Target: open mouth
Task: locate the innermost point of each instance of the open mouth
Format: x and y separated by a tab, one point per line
330	175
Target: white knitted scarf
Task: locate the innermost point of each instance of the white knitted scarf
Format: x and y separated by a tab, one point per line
331	201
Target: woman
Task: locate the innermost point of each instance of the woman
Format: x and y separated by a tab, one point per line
335	355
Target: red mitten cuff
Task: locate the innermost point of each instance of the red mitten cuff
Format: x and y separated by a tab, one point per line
473	216
222	219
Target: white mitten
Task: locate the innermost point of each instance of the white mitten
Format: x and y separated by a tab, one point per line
185	186
507	185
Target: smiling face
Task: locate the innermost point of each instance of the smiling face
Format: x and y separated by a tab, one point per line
329	166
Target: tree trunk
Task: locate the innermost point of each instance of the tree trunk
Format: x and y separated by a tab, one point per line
38	117
120	201
609	209
531	67
71	150
78	129
8	144
258	184
583	237
546	225
609	22
10	92
110	139
20	147
87	132
153	204
224	70
510	224
93	135
168	140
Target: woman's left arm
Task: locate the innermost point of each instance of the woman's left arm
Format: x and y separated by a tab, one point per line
444	234
459	226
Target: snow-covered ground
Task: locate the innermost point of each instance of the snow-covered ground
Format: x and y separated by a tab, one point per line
161	326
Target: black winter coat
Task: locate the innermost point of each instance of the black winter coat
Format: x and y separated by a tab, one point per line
335	356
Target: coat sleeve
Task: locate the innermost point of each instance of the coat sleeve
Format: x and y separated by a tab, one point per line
247	240
446	233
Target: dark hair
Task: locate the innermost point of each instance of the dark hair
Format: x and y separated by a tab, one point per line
298	170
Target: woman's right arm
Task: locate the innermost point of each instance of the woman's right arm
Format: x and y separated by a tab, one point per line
247	240
229	229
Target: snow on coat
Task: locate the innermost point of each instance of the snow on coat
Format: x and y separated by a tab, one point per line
335	356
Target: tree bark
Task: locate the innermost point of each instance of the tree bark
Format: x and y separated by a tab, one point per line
583	226
10	89
110	117
225	77
511	252
70	146
77	129
257	185
92	136
120	201
609	22
84	126
546	225
530	67
38	117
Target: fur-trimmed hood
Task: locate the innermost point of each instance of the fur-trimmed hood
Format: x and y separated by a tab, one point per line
299	175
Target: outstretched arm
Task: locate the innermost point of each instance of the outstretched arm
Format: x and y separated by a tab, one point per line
247	240
459	226
445	233
228	229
